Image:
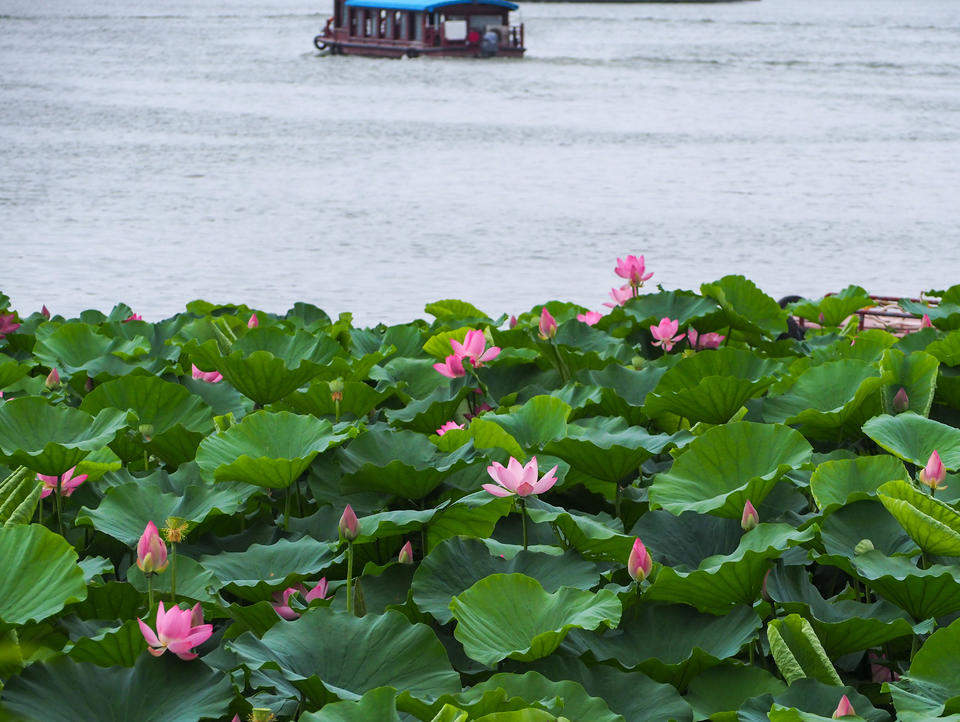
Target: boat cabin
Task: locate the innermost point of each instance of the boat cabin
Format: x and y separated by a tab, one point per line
394	28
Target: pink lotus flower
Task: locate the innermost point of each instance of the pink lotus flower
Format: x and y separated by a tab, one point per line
349	524
45	312
665	334
68	482
449	426
480	409
880	670
7	324
639	563
151	551
253	322
701	341
925	322
133	317
933	473
620	295
518	479
548	324
844	709
452	367
406	554
53	379
750	519
473	348
178	630
632	268
590	317
281	600
513	322
211	377
901	402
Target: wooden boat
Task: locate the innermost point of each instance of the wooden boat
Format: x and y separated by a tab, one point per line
394	28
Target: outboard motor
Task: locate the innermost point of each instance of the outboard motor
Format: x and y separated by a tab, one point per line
490	44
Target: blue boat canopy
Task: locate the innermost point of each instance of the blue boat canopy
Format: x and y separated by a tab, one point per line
425	5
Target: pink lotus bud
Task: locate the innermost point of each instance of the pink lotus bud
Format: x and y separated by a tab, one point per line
844	709
88	384
750	519
53	379
513	321
548	324
133	317
45	311
901	402
406	554
152	552
449	426
639	564
925	322
349	524
253	322
763	587
934	472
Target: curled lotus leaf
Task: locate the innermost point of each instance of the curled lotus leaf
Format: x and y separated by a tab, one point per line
914	438
933	524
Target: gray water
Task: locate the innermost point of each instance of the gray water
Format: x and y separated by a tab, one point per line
155	152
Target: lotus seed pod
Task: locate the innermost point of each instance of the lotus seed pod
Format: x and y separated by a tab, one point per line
863	546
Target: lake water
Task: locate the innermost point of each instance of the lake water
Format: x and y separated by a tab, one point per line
156	152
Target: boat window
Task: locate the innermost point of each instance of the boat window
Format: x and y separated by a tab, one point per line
397	25
413	26
382	24
455	29
367	24
353	21
480	22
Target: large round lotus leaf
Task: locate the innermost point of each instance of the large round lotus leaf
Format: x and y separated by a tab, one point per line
109	645
624	391
330	655
832	310
155	690
599	537
649	308
931	687
933	524
52	439
723	581
829	401
812	700
725	688
835	483
268	449
358	400
685	541
510	615
178	419
456	564
630	694
476	514
11	371
746	307
404	463
848	526
377	704
280	564
38	574
80	348
945	315
670	643
711	387
916	374
194	582
608	448
266	364
726	466
842	625
914	438
433	411
539	420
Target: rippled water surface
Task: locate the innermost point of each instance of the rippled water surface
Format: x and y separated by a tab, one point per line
155	152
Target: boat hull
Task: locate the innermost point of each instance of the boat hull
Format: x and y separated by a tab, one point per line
411	51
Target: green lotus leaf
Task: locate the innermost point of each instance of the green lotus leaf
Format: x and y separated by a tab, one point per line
221	397
456	564
452	310
683	306
598	538
110	601
178	419
330	655
269	449
746	307
931	687
155	690
52	439
835	483
724	689
110	647
832	310
194	582
510	615
430	413
868	346
829	401
798	652
914	438
695	641
916	374
842	625
266	364
933	524
541	419
720	470
19	494
488	435
623	391
378	704
416	376
723	581
711	387
848	526
685	541
608	448
278	565
359	399
476	515
945	316
99	463
33	558
387	524
79	348
11	371
404	463
438	345
812	698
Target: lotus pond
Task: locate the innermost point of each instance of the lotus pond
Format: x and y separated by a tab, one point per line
676	510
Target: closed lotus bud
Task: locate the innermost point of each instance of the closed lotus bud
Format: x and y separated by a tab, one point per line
45	311
934	472
513	322
253	322
925	322
750	519
336	389
901	402
53	379
406	554
639	564
349	524
844	709
151	551
548	324
863	546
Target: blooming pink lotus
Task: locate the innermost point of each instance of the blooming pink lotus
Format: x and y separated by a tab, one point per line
8	324
701	341
750	519
349	524
473	348
548	324
253	322
632	268
665	334
620	295
639	563
281	600
133	317
590	317
925	322
406	554
68	483
933	473
452	367
844	709
151	551
178	630
211	377
518	479
449	426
